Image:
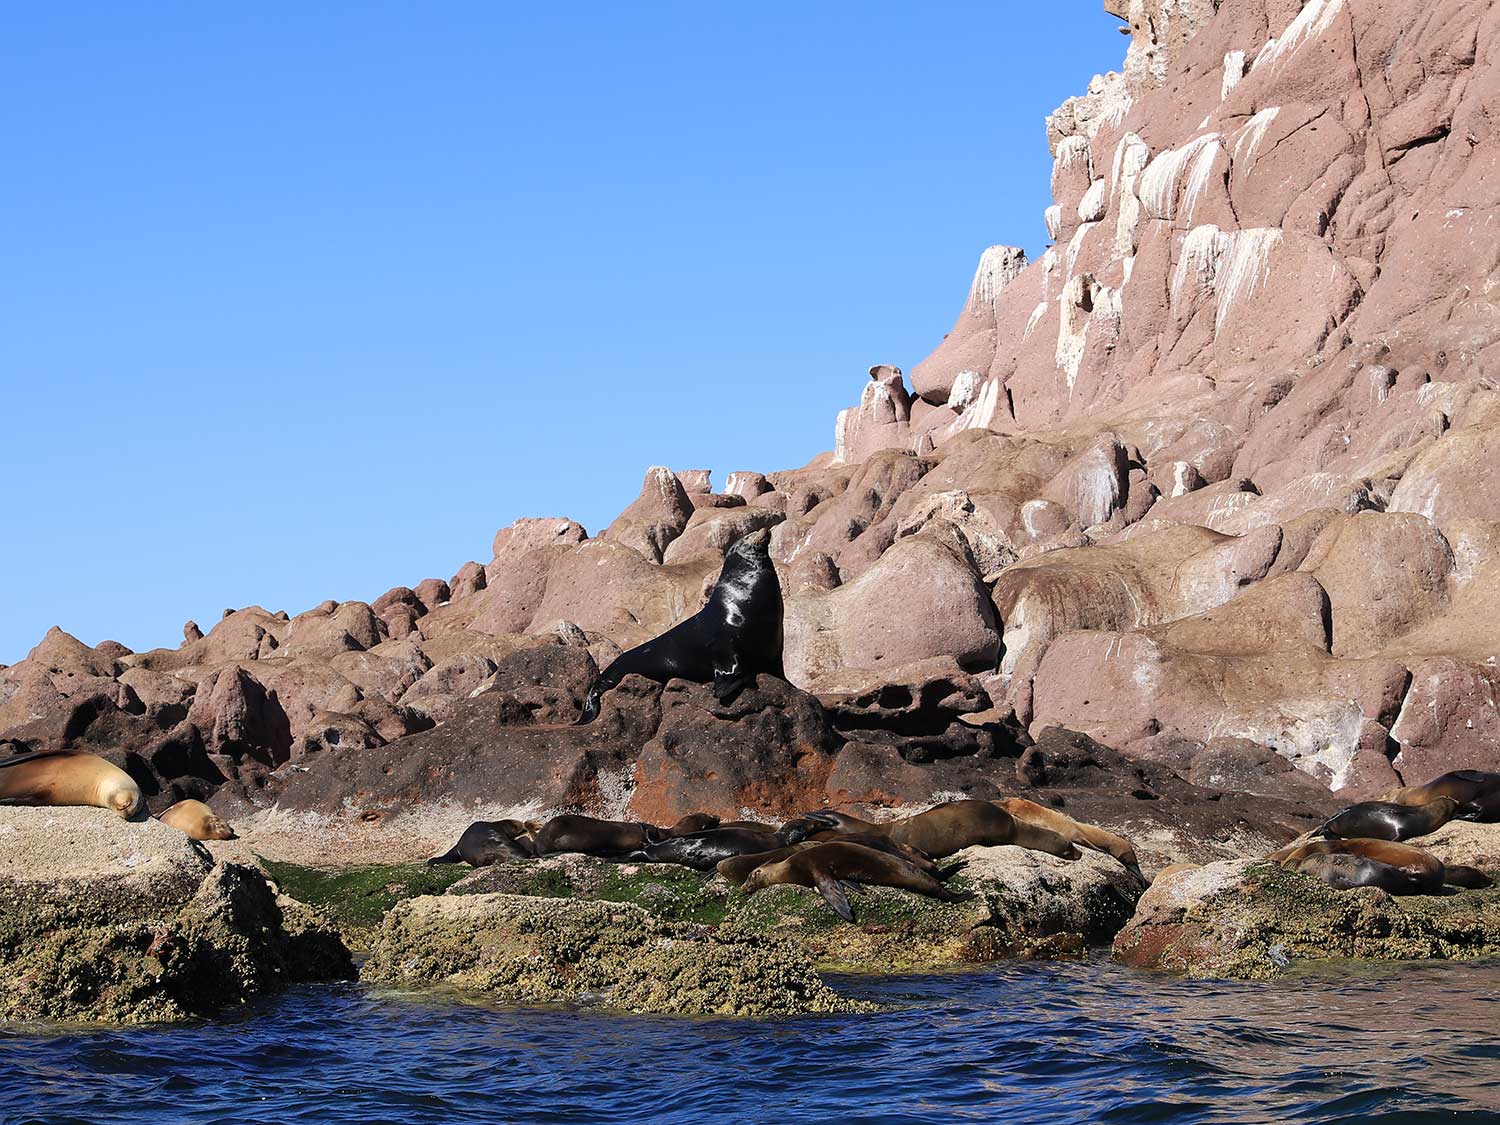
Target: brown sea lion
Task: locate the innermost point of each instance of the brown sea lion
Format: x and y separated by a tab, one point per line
491	841
703	851
1387	820
608	839
694	822
1089	835
1425	868
737	868
68	777
942	830
1344	872
1477	793
885	844
197	820
830	868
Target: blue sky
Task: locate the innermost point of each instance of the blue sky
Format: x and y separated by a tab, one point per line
305	301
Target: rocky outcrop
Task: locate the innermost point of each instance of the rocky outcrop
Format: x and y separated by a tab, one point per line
132	922
1249	919
523	950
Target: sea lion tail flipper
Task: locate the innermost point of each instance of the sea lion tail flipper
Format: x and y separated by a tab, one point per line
450	856
590	710
833	894
1461	875
945	873
945	895
727	685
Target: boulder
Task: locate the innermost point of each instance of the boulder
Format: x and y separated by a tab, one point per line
656	517
132	922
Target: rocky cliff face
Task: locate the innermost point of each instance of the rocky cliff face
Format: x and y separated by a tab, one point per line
1212	482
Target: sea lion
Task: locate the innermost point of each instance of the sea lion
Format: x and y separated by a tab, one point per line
607	839
702	851
942	829
1345	872
729	640
1089	835
737	868
694	822
197	820
1425	868
1387	820
1477	793
490	841
829	868
68	777
885	844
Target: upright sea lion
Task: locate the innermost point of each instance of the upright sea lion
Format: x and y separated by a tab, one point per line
729	640
1386	820
943	829
490	841
1089	835
68	777
1477	793
703	850
829	868
608	839
197	820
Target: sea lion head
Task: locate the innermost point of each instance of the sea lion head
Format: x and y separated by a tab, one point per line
124	796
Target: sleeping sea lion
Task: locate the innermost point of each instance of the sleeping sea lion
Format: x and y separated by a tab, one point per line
1429	871
737	868
942	829
1387	820
703	850
1344	872
68	777
197	820
885	844
607	839
694	822
1076	831
1477	793
491	841
729	640
830	868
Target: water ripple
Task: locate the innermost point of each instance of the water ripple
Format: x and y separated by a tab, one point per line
1060	1044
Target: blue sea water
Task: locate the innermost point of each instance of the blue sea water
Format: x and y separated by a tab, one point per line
1074	1042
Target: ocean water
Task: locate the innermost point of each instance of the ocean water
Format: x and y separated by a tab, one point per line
1077	1042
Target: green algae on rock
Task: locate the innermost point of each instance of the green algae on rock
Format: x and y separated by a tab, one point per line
355	899
671	892
528	950
104	920
1250	919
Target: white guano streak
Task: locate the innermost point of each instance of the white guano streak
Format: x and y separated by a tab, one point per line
1159	182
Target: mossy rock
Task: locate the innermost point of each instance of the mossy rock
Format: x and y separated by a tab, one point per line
524	949
1252	920
676	894
355	899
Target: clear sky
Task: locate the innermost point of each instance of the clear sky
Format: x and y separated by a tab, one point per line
305	300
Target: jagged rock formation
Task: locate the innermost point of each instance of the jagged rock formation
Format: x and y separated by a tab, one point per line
1209	482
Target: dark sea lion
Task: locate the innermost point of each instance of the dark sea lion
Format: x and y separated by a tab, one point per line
1422	866
1345	872
704	850
607	839
491	841
1386	820
1477	793
68	777
694	822
737	868
1076	831
830	868
943	829
197	820
729	640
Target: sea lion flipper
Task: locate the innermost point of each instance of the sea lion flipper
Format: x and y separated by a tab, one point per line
945	873
833	894
450	856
